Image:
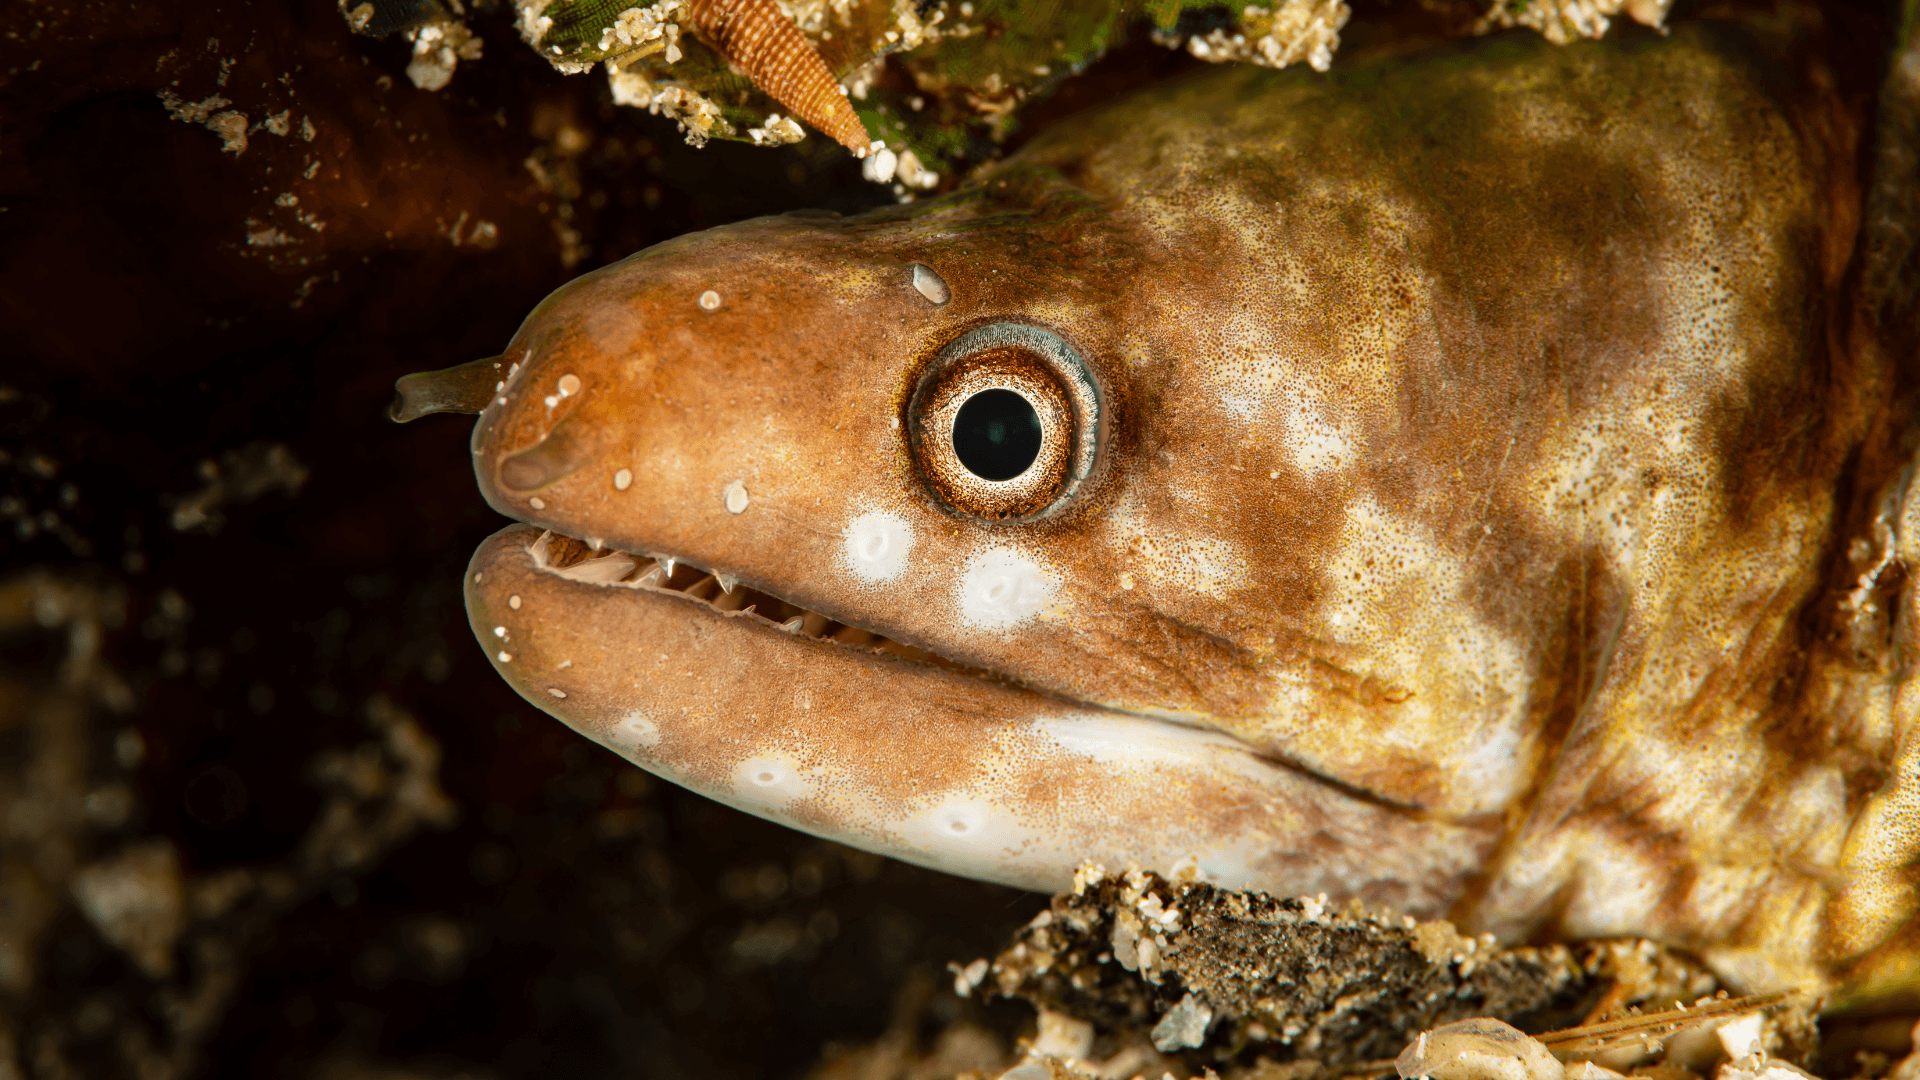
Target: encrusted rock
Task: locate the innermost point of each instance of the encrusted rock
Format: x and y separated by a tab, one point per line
1201	967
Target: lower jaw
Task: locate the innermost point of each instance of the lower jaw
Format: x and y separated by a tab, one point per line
927	763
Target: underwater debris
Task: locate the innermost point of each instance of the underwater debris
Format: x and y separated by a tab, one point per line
72	849
438	48
1478	1049
1566	21
944	80
1132	973
378	18
213	114
759	39
440	39
1186	965
699	117
250	472
644	31
753	39
1297	31
137	901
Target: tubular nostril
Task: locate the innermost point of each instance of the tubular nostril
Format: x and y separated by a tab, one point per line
463	389
565	450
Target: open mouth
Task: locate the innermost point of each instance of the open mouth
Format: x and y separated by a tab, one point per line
576	560
874	742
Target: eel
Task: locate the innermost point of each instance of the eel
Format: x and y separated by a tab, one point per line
1478	483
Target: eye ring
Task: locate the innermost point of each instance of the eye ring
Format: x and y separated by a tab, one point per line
995	381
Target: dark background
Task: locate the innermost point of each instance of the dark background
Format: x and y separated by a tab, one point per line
156	367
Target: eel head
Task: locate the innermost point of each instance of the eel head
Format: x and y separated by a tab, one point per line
865	526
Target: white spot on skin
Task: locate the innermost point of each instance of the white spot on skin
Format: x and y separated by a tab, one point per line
959	820
569	384
876	546
500	631
736	497
1001	589
514	601
964	828
556	691
709	300
1126	581
537	503
623	479
770	782
506	657
636	731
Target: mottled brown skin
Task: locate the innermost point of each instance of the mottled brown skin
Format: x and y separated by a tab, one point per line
1500	510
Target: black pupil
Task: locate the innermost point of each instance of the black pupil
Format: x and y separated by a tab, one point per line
996	434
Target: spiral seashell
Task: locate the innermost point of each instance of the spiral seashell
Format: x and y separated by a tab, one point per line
758	38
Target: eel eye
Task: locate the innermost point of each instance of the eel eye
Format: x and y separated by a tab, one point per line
1006	423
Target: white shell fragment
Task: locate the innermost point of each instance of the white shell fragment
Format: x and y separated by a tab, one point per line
930	285
1185	1025
1743	1035
1479	1049
1061	1035
879	166
1760	1067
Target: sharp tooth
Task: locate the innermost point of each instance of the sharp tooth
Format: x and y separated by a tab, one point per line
727	582
652	576
792	626
727	601
604	571
539	548
668	563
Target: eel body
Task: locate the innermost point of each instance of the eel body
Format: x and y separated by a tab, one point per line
1470	483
